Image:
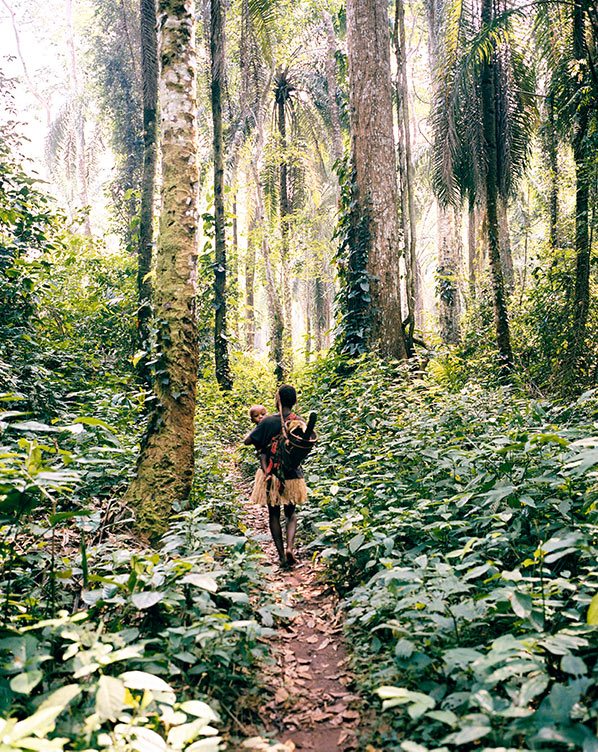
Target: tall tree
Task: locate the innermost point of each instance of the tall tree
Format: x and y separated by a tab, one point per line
165	465
331	84
283	86
149	67
80	125
406	177
217	49
484	114
581	297
374	171
449	218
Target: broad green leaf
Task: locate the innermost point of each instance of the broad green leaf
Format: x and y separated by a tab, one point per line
521	603
143	680
178	736
571	664
146	598
199	709
470	734
88	421
110	698
205	745
532	688
147	740
592	617
356	542
25	682
203	581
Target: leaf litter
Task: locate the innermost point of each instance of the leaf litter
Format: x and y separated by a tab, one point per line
309	706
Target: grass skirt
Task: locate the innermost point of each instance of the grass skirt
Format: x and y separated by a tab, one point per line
295	491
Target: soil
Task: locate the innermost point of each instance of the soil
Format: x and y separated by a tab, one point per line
310	705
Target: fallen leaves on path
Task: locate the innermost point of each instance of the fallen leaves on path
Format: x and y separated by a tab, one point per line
309	707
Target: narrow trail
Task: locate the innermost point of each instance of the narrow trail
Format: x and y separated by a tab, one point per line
310	705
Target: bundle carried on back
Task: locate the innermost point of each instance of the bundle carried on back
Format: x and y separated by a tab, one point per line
292	445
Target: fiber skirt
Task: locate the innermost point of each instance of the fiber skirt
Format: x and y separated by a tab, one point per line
294	492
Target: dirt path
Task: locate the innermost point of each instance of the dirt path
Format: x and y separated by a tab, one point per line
310	706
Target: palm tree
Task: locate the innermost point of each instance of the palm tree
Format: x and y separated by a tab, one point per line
483	116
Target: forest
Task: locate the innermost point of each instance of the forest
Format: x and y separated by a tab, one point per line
380	215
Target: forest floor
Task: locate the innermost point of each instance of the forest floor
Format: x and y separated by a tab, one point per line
310	706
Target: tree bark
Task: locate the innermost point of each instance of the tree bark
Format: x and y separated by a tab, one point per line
449	255
472	248
581	156
285	220
80	127
488	96
407	179
551	151
330	67
250	286
504	239
374	162
149	67
217	42
165	465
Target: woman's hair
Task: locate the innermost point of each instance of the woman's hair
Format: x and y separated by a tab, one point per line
287	395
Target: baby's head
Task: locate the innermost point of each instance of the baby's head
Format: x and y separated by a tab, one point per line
256	413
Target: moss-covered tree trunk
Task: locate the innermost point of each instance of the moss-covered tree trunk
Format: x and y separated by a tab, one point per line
149	67
488	95
374	162
223	374
165	465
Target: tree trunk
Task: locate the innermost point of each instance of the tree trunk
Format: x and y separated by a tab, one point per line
504	239
374	162
217	42
165	465
488	96
250	286
449	255
581	156
330	66
406	170
551	151
285	220
472	248
149	65
80	136
275	310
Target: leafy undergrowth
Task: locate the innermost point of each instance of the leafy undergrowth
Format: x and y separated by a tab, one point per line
461	528
104	643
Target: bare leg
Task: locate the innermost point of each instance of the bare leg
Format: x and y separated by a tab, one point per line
276	530
291	517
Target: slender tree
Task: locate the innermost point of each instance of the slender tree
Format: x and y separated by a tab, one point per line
449	219
217	48
581	296
149	67
80	124
165	465
374	171
406	177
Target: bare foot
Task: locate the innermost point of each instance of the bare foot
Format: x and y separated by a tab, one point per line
291	558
